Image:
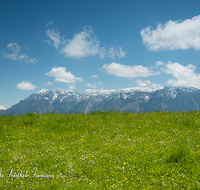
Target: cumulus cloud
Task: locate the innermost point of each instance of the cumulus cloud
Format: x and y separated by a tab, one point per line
60	75
83	44
184	75
128	71
91	85
15	55
173	35
25	85
2	108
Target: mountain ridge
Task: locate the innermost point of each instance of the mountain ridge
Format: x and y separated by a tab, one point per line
165	98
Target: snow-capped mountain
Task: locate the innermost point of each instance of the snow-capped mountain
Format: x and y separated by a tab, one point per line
165	98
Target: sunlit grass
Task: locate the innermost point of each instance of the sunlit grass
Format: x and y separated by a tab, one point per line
100	150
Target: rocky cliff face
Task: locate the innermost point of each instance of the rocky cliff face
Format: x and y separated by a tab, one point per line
126	100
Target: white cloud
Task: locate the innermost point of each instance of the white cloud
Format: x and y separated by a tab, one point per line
102	52
128	71
25	85
15	55
49	83
93	76
147	83
2	108
91	86
173	35
54	36
159	63
100	83
83	44
32	60
113	52
143	84
61	75
185	75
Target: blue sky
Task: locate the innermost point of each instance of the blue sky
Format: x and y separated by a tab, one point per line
97	44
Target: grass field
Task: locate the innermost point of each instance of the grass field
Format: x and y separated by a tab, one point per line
100	150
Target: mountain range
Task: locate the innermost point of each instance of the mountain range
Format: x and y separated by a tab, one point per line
166	98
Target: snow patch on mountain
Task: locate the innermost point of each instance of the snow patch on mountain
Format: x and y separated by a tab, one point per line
141	89
124	96
54	97
173	94
146	98
96	94
43	91
2	108
62	98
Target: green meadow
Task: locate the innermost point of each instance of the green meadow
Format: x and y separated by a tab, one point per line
100	150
